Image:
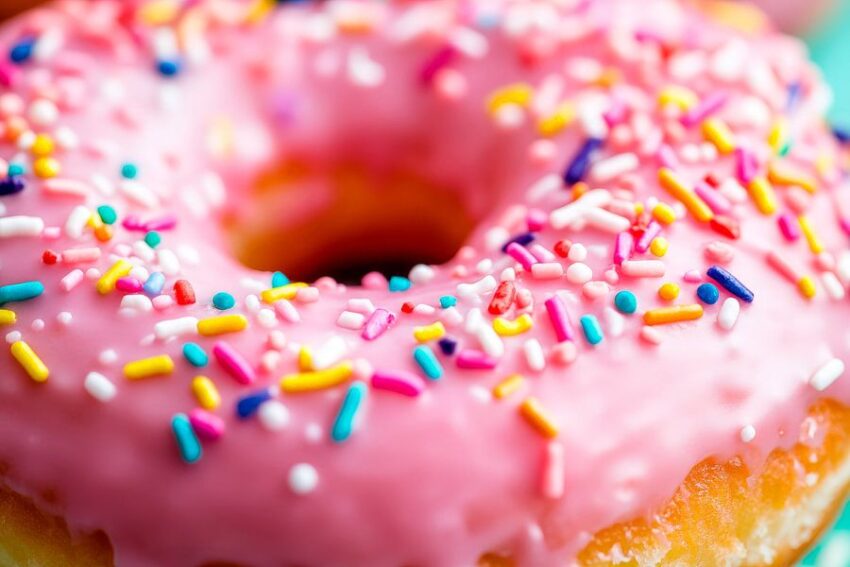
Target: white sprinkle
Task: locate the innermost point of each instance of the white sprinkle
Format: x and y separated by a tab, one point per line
66	187
138	193
64	318
495	238
579	273
273	415
168	262
137	302
491	342
508	275
266	318
252	303
303	478
66	139
43	112
287	311
107	357
534	355
728	314
613	167
547	271
424	309
102	184
332	351
351	320
824	376
76	223
485	266
420	274
361	305
71	280
652	335
20	226
49	43
615	322
37	325
269	360
643	268
577	253
540	189
307	295
451	317
568	214
833	287
748	433
13	337
176	327
99	387
364	71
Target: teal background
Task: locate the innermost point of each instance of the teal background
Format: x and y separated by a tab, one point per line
830	47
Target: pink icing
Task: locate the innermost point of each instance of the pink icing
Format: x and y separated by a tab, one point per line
439	478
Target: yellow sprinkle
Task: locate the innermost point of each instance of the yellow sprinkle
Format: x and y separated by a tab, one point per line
46	167
669	291
761	191
161	365
736	15
305	359
287	291
42	146
206	392
506	328
508	386
7	317
659	246
537	417
663	213
578	190
557	121
680	96
783	173
718	133
429	332
673	185
825	164
815	244
222	324
119	269
608	78
258	11
806	286
158	12
519	94
94	221
318	380
639	208
674	314
29	361
778	134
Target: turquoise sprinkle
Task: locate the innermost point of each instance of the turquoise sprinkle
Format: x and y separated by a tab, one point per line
20	291
15	169
107	214
279	279
625	302
398	283
344	422
427	361
153	239
129	171
591	328
223	301
447	301
187	441
195	355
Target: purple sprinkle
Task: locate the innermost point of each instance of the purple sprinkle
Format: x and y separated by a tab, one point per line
705	108
652	230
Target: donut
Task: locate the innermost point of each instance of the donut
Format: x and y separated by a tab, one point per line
418	284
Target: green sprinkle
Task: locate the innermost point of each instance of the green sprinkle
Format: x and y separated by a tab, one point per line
129	171
223	301
107	214
153	239
625	302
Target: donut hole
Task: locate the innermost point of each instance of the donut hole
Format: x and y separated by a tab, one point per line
346	220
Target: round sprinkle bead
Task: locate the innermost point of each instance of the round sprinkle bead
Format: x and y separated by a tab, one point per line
46	167
223	301
303	478
129	171
669	291
153	239
168	67
708	293
625	302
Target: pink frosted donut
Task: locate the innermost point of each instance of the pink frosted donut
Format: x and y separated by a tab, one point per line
622	339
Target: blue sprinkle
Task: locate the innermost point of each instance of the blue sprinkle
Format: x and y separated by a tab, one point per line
129	171
427	361
16	169
730	283
625	302
154	284
399	283
11	185
195	355
248	405
447	346
223	301
187	441
168	67
794	91
20	291
153	239
841	134
345	419
22	50
279	279
591	328
581	162
522	239
708	293
447	301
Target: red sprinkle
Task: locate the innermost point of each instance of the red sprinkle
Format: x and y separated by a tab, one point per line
502	298
562	248
183	293
726	226
49	257
712	180
407	307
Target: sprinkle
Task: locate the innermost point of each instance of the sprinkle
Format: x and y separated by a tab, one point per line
649	234
659	246
523	239
718	133
728	315
71	280
708	293
469	359
674	314
503	298
195	355
805	284
730	283
704	108
788	227
273	415
814	242
107	214
447	346
46	167
351	320
99	387
591	328
287	291
825	375
329	353
346	418
187	442
234	363
29	361
399	382
222	324
713	198
303	479
643	268
668	291
22	51
505	328
279	280
399	284
763	195
379	321
553	478
248	405
318	380
508	386
184	294
427	361
170	328
154	284
534	356
161	365
80	255
519	94
558	314
107	281
532	411
780	173
664	213
208	426
7	317
15	226
623	247
23	291
677	189
11	185
429	332
579	273
833	286
748	433
580	163
447	301
521	254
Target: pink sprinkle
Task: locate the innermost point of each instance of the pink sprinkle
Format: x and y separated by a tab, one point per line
558	314
521	254
541	253
623	247
788	227
667	157
524	297
375	280
547	271
595	290
163	223
643	268
80	255
746	165
705	108
713	198
377	324
552	483
564	353
133	223
8	75
287	311
782	266
51	233
536	219
71	280
652	230
128	285
66	187
404	383
307	295
719	252
616	113
651	335
208	426
234	363
475	360
162	302
441	58
692	276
